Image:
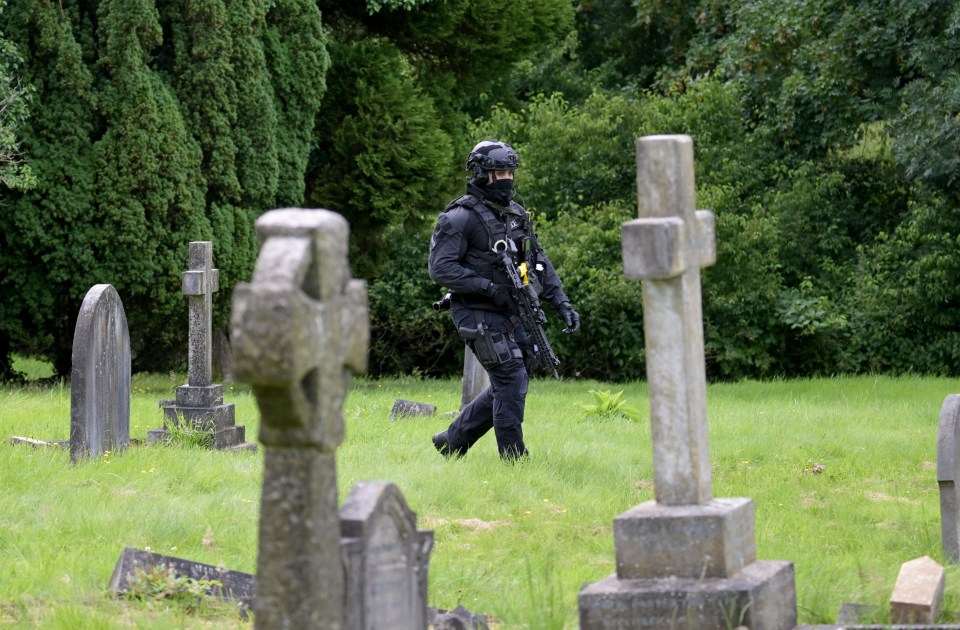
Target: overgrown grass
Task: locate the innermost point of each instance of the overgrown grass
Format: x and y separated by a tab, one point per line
841	471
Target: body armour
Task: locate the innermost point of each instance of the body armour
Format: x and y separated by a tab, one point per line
470	238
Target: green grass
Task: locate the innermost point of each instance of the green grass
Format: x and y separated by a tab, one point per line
841	472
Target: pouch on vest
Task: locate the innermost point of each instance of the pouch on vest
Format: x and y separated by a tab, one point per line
490	348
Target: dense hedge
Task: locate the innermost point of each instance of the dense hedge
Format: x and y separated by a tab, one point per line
150	127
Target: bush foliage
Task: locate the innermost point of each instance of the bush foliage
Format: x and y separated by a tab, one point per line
825	143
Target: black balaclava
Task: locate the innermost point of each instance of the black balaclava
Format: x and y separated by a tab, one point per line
500	191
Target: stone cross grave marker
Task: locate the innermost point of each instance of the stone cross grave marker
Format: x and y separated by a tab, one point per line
685	555
199	283
299	329
100	376
199	403
666	248
948	472
386	559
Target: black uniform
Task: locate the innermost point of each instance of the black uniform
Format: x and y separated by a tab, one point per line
463	258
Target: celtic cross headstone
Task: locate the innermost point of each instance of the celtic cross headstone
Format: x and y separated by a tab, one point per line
300	328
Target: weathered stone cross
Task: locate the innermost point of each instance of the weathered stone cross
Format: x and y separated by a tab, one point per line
200	282
685	557
666	247
298	330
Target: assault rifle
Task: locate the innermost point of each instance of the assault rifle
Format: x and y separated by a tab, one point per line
531	315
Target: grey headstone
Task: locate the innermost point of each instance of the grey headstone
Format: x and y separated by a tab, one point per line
712	540
948	440
475	378
299	329
199	404
386	559
100	376
685	557
233	584
410	408
751	597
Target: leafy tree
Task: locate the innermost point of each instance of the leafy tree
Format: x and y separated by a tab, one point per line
379	153
581	194
392	136
822	131
295	47
646	42
404	82
46	230
14	173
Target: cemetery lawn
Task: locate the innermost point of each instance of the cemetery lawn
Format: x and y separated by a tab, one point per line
842	473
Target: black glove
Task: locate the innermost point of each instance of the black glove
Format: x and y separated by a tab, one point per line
570	317
500	294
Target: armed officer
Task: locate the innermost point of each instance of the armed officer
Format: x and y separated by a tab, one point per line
466	256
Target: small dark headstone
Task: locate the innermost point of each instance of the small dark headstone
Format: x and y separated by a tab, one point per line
409	408
233	584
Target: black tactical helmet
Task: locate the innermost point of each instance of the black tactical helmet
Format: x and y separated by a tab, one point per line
492	155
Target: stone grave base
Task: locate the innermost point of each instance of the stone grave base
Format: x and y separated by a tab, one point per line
711	540
761	596
203	409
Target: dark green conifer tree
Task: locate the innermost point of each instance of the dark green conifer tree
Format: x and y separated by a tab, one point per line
46	255
295	47
155	124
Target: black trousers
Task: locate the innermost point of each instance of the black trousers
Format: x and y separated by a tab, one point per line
501	405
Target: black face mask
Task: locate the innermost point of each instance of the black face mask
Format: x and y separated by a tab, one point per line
500	191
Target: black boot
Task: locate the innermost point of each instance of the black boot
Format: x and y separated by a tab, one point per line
514	452
443	446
